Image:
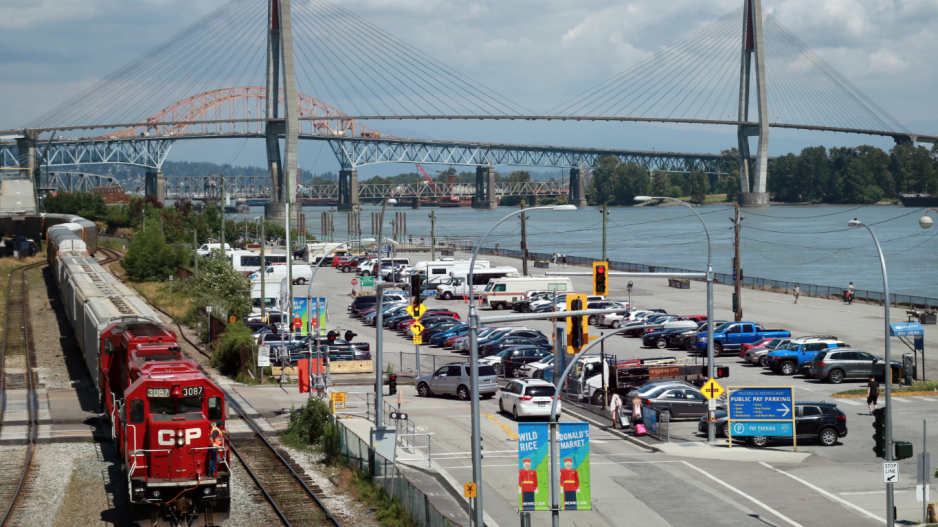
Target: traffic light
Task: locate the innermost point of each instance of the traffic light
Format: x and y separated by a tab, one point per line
392	384
600	278
722	372
903	450
415	290
577	327
735	303
879	425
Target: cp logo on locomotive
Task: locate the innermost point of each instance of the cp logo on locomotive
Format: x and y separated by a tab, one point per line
168	437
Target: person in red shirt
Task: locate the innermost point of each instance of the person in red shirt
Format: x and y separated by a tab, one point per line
570	483
527	485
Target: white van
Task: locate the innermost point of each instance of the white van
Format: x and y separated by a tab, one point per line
249	262
501	293
302	274
438	271
367	268
456	286
271	294
207	248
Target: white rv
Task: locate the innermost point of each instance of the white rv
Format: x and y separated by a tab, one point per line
457	285
501	293
438	271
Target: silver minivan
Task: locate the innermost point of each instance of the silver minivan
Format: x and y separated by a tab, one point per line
453	379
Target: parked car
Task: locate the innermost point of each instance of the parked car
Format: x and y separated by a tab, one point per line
351	264
760	355
676	402
530	369
786	359
661	339
528	398
732	335
605	304
835	366
823	422
514	361
758	344
437	338
634	329
512	341
453	379
495	361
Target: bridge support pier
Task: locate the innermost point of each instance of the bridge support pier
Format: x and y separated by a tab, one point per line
415	203
532	201
277	212
348	190
485	197
155	185
577	194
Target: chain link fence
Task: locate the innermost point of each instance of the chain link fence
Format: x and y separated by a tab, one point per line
387	474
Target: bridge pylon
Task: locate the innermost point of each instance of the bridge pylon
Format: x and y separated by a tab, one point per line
155	185
348	190
753	178
577	193
485	197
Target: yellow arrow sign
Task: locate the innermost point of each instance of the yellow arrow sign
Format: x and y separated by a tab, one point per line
712	389
416	328
421	309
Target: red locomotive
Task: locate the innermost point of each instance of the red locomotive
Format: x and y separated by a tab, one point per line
163	411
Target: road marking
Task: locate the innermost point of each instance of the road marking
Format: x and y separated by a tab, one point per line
929	399
871	492
824	492
470	453
507	429
743	494
848	401
903	401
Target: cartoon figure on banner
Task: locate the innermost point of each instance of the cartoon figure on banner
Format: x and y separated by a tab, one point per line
570	483
527	486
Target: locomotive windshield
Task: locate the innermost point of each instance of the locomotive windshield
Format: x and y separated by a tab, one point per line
173	406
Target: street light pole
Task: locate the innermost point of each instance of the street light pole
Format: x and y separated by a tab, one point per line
890	496
476	519
711	428
309	307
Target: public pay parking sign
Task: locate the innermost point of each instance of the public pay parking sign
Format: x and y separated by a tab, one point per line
761	411
534	462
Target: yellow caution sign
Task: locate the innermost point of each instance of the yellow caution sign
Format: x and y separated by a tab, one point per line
712	389
418	339
469	490
338	399
421	309
416	328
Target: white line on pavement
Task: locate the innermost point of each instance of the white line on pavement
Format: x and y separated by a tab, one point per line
848	401
743	494
900	400
929	399
871	492
824	492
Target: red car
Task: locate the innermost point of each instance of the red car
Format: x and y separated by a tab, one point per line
747	347
339	260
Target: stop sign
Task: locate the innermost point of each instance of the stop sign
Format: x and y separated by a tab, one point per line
354	281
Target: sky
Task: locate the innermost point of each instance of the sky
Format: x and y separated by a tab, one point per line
535	53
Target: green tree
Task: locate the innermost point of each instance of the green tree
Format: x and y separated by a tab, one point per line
812	174
699	186
226	355
150	258
218	285
732	187
660	183
604	180
85	204
782	178
632	181
519	176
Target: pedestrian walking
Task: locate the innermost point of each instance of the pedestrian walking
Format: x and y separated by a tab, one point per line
872	394
797	292
636	409
421	240
564	257
850	292
615	406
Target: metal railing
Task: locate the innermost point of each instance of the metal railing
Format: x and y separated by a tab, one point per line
387	474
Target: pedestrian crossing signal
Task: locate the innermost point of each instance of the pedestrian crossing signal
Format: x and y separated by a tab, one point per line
600	278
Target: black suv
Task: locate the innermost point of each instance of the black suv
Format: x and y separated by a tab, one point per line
821	421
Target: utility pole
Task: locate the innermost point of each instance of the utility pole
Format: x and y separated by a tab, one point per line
524	243
737	265
222	206
433	235
195	249
263	271
605	215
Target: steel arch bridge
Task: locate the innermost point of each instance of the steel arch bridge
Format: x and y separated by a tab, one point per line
238	113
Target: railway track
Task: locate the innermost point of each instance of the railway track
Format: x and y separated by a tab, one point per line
293	497
16	373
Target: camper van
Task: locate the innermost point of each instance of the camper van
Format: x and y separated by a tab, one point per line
501	293
437	271
302	274
207	248
456	285
315	251
249	262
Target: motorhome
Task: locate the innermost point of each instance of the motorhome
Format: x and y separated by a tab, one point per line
437	271
315	251
302	274
248	262
457	286
501	293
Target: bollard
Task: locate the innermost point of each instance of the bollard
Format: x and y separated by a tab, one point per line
525	519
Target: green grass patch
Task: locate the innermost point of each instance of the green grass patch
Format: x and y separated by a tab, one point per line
924	386
390	511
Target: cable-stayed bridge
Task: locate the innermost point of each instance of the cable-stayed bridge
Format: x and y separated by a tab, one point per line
211	80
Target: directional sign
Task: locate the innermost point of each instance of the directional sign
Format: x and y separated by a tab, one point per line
418	339
416	328
368	281
421	309
906	329
761	428
760	403
469	490
712	389
890	472
354	281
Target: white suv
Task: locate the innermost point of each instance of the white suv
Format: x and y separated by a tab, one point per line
527	398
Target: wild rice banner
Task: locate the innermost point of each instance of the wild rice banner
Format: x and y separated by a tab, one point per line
534	466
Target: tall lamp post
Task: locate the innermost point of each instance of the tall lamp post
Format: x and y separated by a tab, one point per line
477	520
890	497
711	429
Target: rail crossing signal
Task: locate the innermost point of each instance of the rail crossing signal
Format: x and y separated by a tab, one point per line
600	278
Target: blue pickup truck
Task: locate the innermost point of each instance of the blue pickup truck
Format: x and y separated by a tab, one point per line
796	355
732	335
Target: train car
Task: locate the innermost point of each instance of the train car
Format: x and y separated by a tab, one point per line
63	237
95	314
162	410
67	267
80	288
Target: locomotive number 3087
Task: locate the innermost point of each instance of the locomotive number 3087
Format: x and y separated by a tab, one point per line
192	391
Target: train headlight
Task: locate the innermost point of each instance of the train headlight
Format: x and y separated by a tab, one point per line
179	441
155	493
207	491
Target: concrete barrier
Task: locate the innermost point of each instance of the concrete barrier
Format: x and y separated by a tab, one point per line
351	366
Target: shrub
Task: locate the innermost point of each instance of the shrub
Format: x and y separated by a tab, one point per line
150	259
306	427
226	356
331	443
